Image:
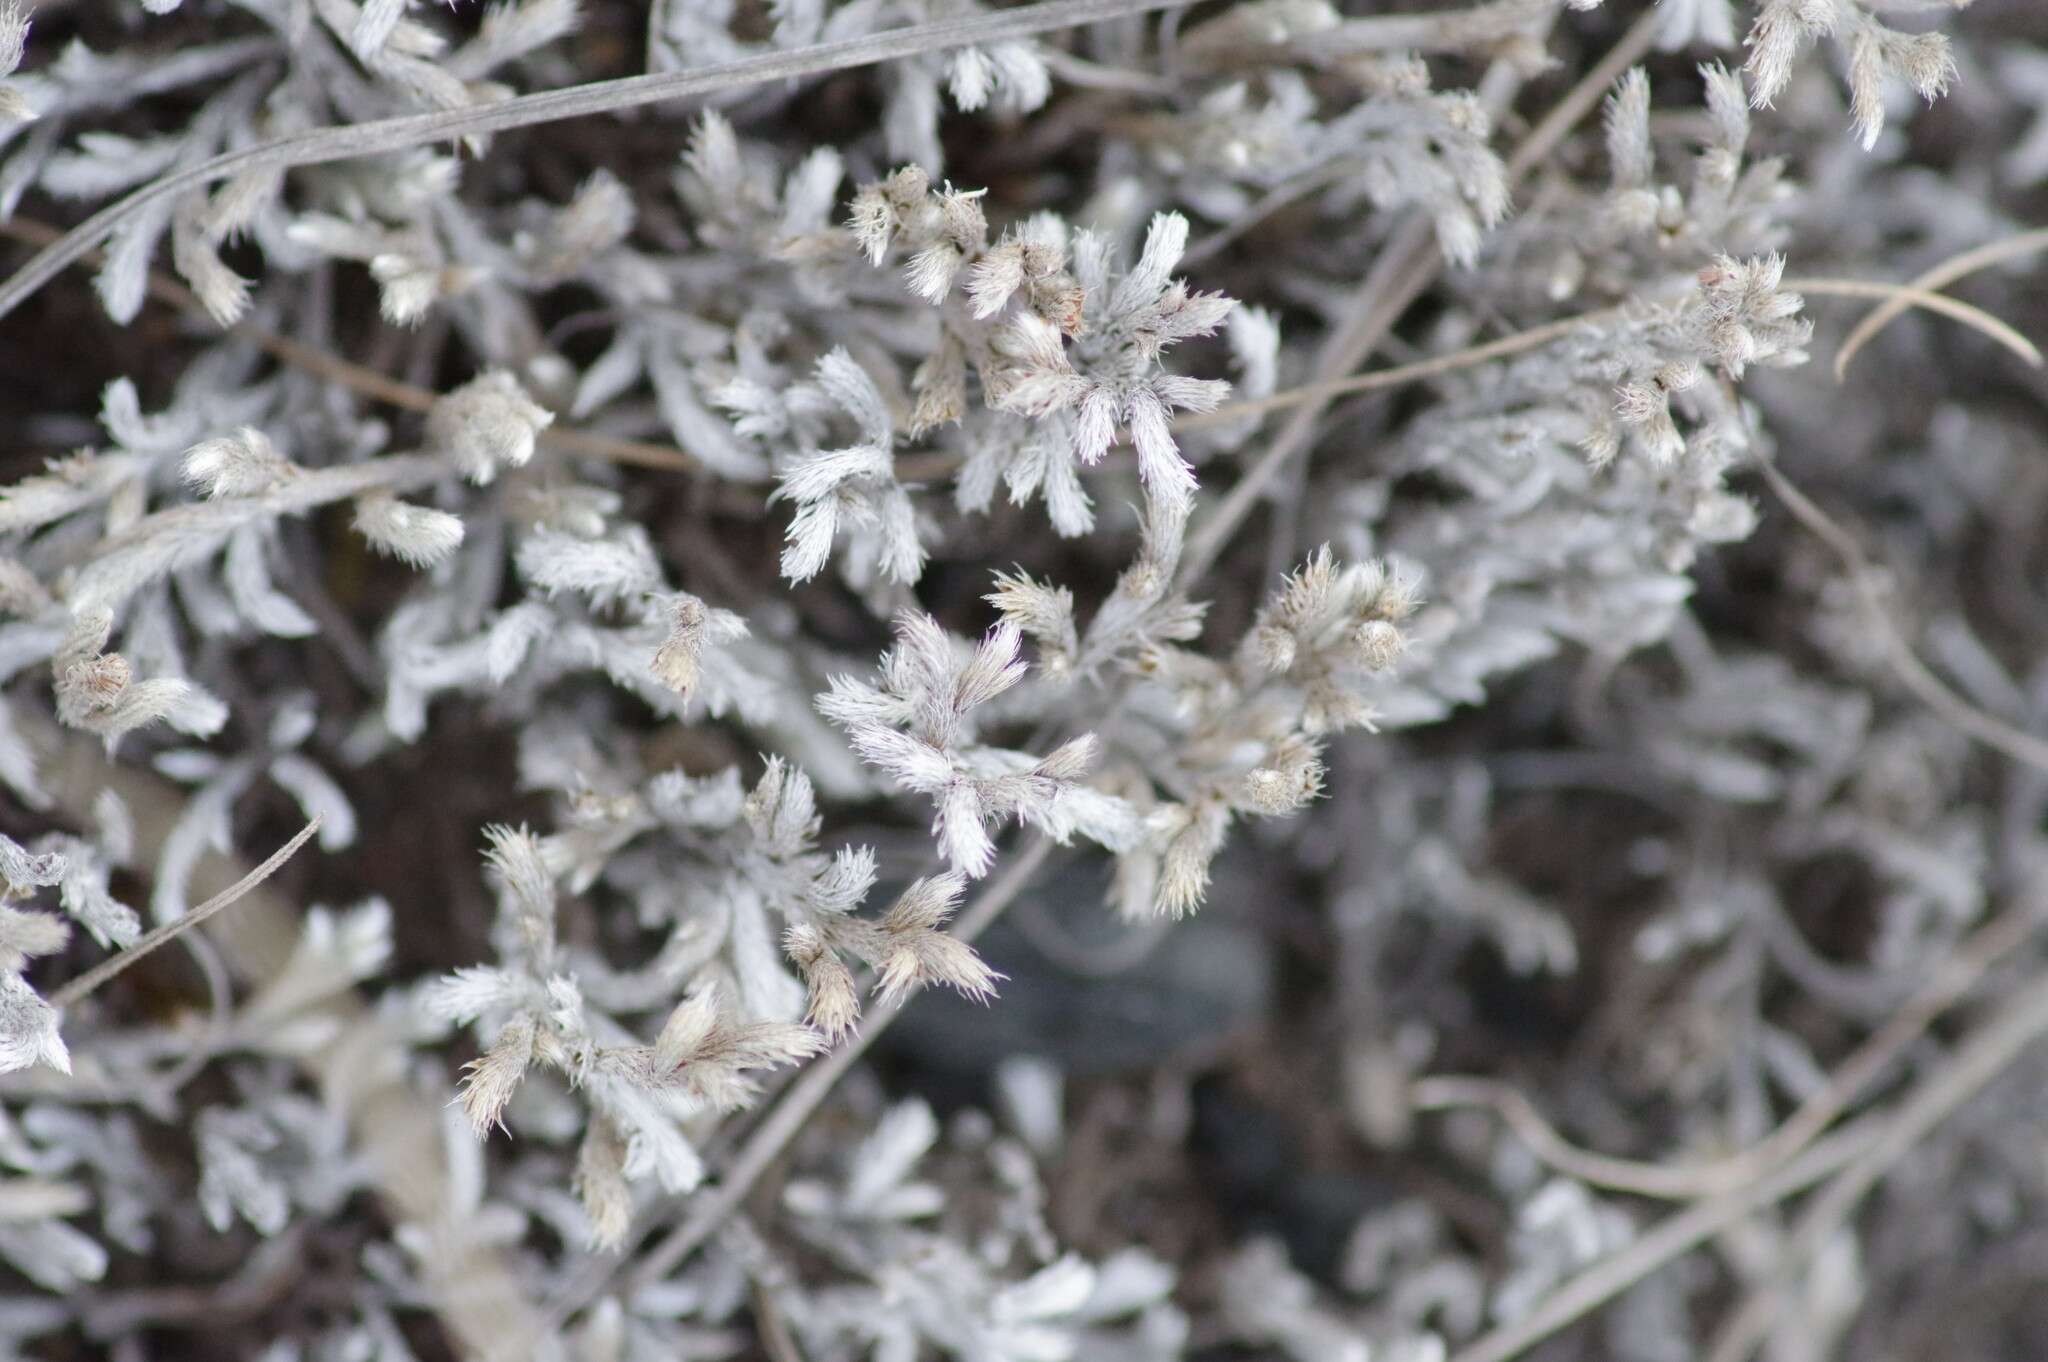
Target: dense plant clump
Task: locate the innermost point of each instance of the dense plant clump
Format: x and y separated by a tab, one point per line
1099	680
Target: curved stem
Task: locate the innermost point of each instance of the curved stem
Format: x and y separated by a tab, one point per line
1925	686
1952	980
1903	296
85	984
1947	272
1981	1058
1672	1237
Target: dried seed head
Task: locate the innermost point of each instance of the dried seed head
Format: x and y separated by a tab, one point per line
678	661
98	681
1377	645
834	1001
493	1079
600	1183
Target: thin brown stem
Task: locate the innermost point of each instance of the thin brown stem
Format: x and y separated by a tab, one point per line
1901	295
1533	338
776	1338
369	382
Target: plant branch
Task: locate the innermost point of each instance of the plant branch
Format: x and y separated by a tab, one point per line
397	1126
1533	338
711	1207
1405	268
1914	294
319	146
1900	295
1672	1237
1987	1053
366	381
1952	981
1930	689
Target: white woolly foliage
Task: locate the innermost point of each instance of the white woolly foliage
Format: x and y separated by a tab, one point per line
700	1059
417	535
917	724
693	627
851	488
237	465
360	263
1784	28
916	1284
14	25
1066	352
99	692
487	424
1246	737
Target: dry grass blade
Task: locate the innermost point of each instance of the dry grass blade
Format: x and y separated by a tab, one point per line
83	986
1930	689
1988	1052
397	1125
1913	295
1855	1158
1951	982
1947	272
1676	1235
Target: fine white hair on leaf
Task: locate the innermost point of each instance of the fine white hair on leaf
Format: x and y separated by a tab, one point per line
419	536
487	424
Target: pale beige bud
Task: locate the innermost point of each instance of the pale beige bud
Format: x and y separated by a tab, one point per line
601	1184
493	1079
1378	645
